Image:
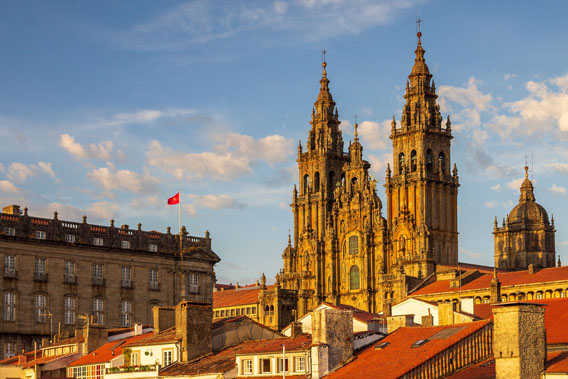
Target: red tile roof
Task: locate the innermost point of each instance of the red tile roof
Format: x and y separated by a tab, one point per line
482	370
220	362
106	352
164	336
300	343
399	357
555	318
47	359
557	362
550	274
469	267
238	296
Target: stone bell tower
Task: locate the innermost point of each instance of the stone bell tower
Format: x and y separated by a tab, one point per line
422	189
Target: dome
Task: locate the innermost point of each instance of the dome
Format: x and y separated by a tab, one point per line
528	211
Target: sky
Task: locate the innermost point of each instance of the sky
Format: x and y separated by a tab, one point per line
108	108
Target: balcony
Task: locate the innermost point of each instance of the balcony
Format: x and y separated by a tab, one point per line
154	286
10	273
98	281
40	276
70	279
126	283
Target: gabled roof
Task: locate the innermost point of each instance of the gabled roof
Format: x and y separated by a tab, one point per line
358	314
237	296
164	336
106	352
481	370
555	318
399	357
550	274
300	343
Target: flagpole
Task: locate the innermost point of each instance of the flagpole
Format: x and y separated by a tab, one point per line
179	208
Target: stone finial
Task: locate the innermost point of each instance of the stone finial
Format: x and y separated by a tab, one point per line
25	211
495	222
356	134
393	125
112	223
207	235
559	264
448	123
388	170
263	281
139	226
55	215
300	147
289	239
169	230
84	219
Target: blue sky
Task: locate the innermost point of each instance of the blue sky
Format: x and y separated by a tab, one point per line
107	108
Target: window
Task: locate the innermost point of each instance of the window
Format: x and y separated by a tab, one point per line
193	282
153	248
125	244
69	309
40	303
317	182
429	160
282	365
413	161
306	183
300	364
9	231
153	278
265	365
126	313
353	245
538	295
135	359
70	272
70	238
9	350
222	313
400	163
354	278
167	357
40	269
126	277
10	266
9	306
98	241
442	161
247	366
253	310
40	235
98	311
98	279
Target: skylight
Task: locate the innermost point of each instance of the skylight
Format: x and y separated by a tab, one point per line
419	343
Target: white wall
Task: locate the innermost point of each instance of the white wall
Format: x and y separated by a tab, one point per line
416	308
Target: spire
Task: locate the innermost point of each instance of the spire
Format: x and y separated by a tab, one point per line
356	135
324	94
420	66
289	239
527	189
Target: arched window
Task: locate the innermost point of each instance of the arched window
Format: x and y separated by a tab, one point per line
413	161
442	162
429	160
353	244
126	313
400	163
354	278
317	182
306	183
331	181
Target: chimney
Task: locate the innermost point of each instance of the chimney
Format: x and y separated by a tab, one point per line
446	313
95	336
12	210
193	326
296	329
332	339
428	320
519	340
137	329
495	287
531	269
164	318
395	322
387	309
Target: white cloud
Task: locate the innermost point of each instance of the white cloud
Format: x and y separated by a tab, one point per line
469	253
126	180
379	164
560	167
21	172
231	158
509	76
375	136
558	190
7	186
217	201
496	187
46	167
472	101
101	151
103	210
491	204
189	209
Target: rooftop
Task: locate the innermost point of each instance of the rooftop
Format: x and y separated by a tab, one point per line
238	296
106	352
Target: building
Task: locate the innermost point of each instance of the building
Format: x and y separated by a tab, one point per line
55	273
344	251
526	236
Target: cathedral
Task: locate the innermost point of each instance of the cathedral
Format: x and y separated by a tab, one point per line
344	249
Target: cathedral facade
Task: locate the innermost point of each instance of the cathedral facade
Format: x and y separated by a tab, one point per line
344	249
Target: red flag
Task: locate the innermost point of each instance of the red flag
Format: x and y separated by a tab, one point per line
174	199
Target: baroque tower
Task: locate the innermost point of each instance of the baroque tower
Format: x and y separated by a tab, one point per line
422	189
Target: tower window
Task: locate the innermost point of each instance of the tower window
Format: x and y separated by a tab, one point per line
400	163
442	162
316	181
413	161
354	278
353	245
429	160
306	183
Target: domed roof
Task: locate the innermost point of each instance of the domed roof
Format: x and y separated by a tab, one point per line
528	211
420	66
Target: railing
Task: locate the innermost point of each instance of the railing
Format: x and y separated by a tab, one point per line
40	276
154	285
100	229
98	281
123	369
126	283
70	279
10	273
37	221
6	217
70	225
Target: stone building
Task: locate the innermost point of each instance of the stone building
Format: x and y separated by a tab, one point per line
55	273
526	236
343	249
